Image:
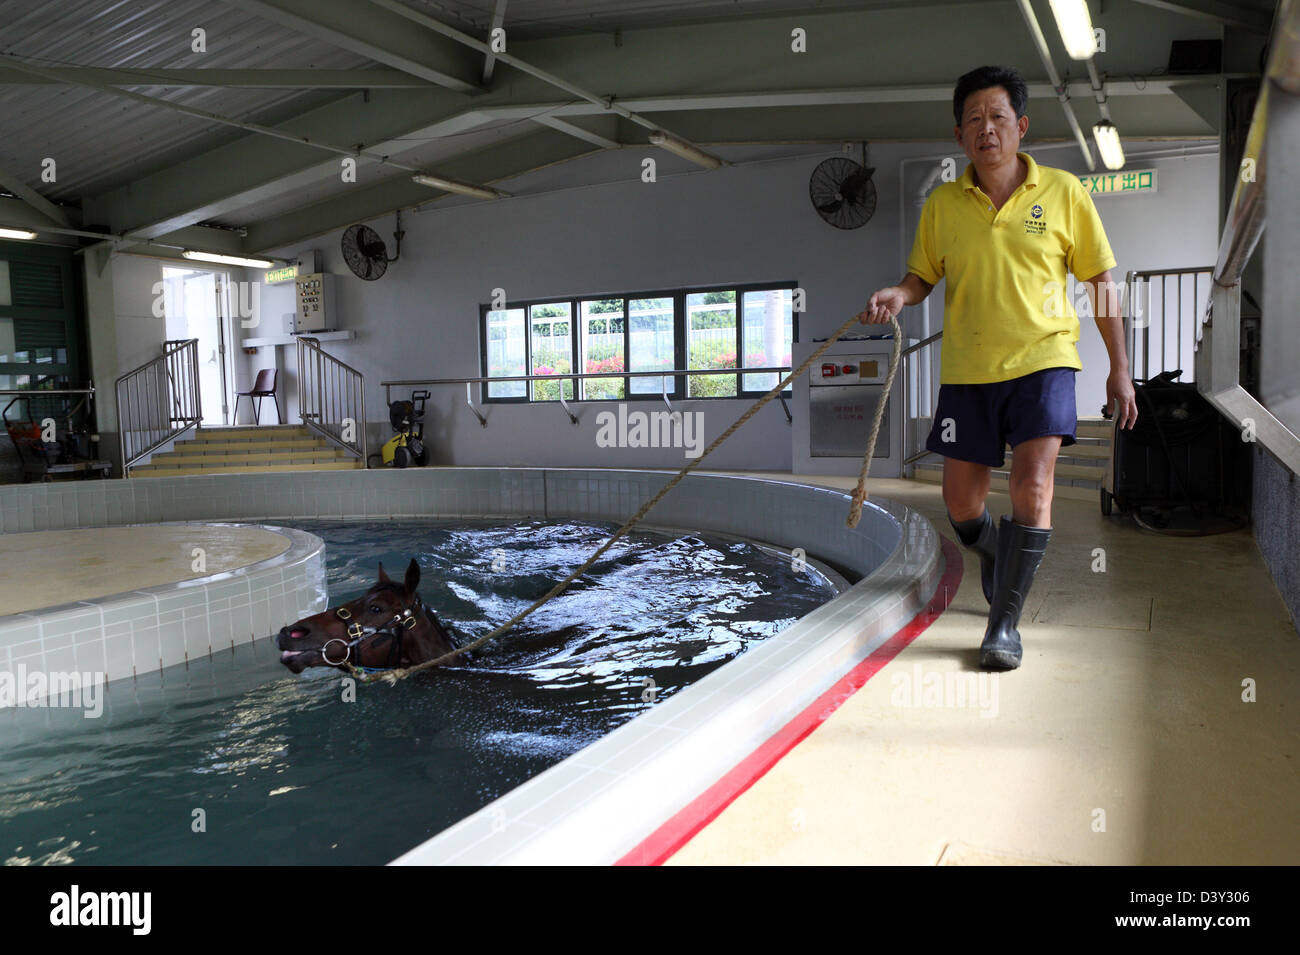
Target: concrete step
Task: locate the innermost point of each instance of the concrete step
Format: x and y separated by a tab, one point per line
1094	428
1086	429
238	435
149	470
285	444
1080	450
999	480
1062	470
295	456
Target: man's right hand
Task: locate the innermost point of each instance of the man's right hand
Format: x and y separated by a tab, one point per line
883	306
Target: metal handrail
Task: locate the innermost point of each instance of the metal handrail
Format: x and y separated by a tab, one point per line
332	398
662	373
923	343
144	420
1218	375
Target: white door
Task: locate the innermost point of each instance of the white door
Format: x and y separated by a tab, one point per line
192	308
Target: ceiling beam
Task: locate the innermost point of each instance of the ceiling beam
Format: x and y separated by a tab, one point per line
490	58
578	132
378	35
543	148
239	173
231	79
232	202
1219	11
48	210
856	96
606	102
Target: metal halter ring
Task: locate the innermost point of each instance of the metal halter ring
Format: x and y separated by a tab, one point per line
347	652
355	630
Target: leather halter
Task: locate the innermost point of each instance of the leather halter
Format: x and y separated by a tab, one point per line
402	621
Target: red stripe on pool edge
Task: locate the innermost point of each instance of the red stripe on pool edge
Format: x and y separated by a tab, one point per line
661	844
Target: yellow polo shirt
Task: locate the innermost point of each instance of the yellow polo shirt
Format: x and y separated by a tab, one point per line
1006	309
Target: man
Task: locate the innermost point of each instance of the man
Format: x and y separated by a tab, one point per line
1004	235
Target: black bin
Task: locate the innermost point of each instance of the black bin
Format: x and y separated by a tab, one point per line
1181	452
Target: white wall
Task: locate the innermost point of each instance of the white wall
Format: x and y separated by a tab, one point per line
740	224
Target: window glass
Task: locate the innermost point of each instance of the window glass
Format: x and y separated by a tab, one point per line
651	342
766	333
6	296
711	342
551	327
506	352
604	328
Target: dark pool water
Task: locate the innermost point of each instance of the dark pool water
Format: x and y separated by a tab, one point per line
284	770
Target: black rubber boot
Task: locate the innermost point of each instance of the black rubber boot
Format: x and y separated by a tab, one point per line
1020	551
981	536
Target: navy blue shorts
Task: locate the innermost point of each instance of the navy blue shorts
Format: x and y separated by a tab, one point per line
978	421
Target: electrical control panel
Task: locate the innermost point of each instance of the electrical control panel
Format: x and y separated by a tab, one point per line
850	370
315	303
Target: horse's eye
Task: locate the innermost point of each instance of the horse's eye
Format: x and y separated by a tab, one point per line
375	608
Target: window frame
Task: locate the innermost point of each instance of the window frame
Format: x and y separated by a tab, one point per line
680	339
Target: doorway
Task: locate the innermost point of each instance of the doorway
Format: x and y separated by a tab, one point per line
197	306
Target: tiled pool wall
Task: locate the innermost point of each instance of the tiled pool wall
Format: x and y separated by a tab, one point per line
120	636
786	514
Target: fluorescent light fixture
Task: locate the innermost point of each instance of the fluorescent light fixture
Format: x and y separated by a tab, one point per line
16	234
1075	24
1107	136
458	187
227	259
685	150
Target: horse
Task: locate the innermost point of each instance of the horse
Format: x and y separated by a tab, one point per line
385	628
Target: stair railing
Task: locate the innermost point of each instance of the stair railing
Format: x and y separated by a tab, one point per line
920	392
331	398
158	402
1162	312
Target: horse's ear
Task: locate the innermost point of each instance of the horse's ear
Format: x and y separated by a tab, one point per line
383	577
412	576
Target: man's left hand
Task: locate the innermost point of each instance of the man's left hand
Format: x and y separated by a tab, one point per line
1121	399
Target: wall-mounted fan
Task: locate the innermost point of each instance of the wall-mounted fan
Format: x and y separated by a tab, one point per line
365	253
842	191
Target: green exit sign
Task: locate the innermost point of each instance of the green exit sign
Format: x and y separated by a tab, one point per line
1130	182
287	274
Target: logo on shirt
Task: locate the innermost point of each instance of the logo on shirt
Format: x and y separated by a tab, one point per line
1035	224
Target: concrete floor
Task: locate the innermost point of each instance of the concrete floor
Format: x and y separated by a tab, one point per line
1123	738
47	568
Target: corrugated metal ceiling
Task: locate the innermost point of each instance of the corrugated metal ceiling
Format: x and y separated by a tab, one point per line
100	140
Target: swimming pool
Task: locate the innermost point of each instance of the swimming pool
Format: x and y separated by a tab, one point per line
279	768
598	804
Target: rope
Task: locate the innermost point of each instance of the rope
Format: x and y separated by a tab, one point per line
855	509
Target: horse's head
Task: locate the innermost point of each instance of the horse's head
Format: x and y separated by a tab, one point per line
386	627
